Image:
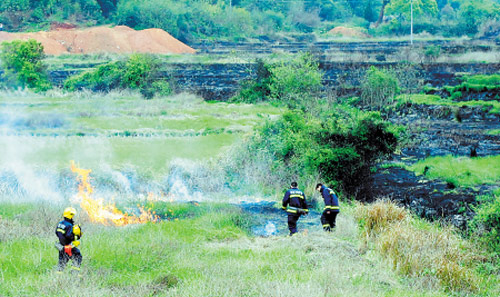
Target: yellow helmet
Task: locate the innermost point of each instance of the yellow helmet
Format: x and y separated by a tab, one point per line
69	212
77	230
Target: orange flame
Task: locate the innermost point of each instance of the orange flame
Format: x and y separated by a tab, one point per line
105	213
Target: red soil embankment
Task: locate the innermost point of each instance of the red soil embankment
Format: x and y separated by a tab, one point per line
348	32
119	39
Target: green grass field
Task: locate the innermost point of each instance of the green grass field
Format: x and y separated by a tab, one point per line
120	129
492	106
461	171
208	253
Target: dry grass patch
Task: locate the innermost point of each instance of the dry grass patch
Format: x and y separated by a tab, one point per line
419	249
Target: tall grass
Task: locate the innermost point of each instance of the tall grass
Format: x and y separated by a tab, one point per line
419	249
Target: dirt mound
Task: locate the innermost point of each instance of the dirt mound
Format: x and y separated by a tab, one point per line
348	32
120	39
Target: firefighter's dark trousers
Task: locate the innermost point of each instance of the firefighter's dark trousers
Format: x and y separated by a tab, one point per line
328	219
292	222
76	259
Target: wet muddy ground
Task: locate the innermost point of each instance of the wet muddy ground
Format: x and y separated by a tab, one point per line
268	219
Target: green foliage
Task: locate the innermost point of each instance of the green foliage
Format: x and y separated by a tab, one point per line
23	63
191	20
379	88
104	78
473	13
340	147
421	8
256	90
486	223
296	82
482	81
432	52
187	20
22	15
490	106
139	72
461	171
293	83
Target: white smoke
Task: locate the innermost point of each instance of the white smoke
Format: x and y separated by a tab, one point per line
35	183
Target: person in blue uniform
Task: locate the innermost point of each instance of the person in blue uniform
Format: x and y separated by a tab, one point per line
331	209
294	202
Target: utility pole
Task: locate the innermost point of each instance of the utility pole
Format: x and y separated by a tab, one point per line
411	30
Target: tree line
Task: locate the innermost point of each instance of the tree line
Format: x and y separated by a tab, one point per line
191	20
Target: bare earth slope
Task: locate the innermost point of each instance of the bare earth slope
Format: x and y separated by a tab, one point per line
119	39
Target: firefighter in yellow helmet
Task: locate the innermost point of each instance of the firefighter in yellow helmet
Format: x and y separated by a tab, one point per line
69	236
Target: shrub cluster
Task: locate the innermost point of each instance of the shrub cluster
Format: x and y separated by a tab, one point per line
379	88
341	145
139	72
486	223
23	65
293	83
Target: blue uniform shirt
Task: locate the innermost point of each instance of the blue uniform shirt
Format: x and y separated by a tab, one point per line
64	231
331	200
294	198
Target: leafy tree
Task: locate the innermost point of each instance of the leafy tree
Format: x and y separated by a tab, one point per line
381	14
295	82
421	8
368	13
473	13
256	90
23	61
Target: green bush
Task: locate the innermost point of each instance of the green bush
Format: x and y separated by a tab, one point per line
432	52
340	147
23	64
256	90
139	72
294	83
378	88
486	223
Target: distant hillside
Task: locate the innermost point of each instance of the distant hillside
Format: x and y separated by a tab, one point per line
190	20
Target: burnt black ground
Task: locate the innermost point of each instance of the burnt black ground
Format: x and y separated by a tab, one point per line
436	131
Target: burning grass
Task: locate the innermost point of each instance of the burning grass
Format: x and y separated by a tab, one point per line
422	250
105	213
